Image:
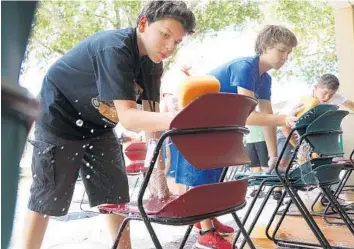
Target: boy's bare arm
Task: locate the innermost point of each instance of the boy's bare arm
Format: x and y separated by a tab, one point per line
168	155
164	108
269	131
262	119
286	132
136	120
349	104
156	134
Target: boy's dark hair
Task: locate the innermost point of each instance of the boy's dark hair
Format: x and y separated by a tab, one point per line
177	10
329	81
273	34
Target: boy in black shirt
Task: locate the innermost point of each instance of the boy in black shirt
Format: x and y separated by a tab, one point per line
84	95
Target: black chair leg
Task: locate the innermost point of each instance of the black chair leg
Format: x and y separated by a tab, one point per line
258	214
307	216
243	231
254	200
152	234
315	201
336	195
290	243
339	209
136	184
186	235
120	232
272	237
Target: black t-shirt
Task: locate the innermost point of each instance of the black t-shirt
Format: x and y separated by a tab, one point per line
78	91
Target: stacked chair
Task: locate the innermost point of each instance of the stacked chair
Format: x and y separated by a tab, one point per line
320	128
136	152
329	213
207	138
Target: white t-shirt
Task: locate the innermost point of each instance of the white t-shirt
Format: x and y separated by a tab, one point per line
337	99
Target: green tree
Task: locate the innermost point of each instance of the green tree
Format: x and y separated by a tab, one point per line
60	25
313	24
215	15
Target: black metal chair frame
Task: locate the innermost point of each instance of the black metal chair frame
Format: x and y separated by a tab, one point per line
291	188
327	215
148	219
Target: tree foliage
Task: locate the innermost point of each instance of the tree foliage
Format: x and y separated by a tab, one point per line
313	24
59	25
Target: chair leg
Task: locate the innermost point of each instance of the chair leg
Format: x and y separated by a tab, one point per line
243	231
343	182
82	201
86	210
120	232
288	243
152	234
279	242
245	218
307	216
281	218
340	187
315	201
186	235
339	209
234	173
336	195
136	184
258	214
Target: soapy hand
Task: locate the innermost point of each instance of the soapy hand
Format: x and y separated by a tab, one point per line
272	162
291	119
158	184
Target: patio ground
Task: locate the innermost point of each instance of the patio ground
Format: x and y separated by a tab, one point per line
81	231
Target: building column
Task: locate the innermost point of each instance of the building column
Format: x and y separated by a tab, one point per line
344	25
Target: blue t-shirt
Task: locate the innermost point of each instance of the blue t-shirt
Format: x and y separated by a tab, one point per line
244	72
78	90
185	173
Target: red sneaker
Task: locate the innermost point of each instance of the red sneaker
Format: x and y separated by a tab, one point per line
212	240
220	228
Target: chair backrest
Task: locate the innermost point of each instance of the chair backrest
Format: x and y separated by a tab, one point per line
136	151
311	115
322	134
214	149
315	173
329	124
308	167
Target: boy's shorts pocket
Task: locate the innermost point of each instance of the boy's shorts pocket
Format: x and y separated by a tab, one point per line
43	164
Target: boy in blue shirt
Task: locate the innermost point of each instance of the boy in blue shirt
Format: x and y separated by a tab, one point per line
248	76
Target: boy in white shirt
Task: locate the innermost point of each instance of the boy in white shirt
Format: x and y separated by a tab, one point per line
326	91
